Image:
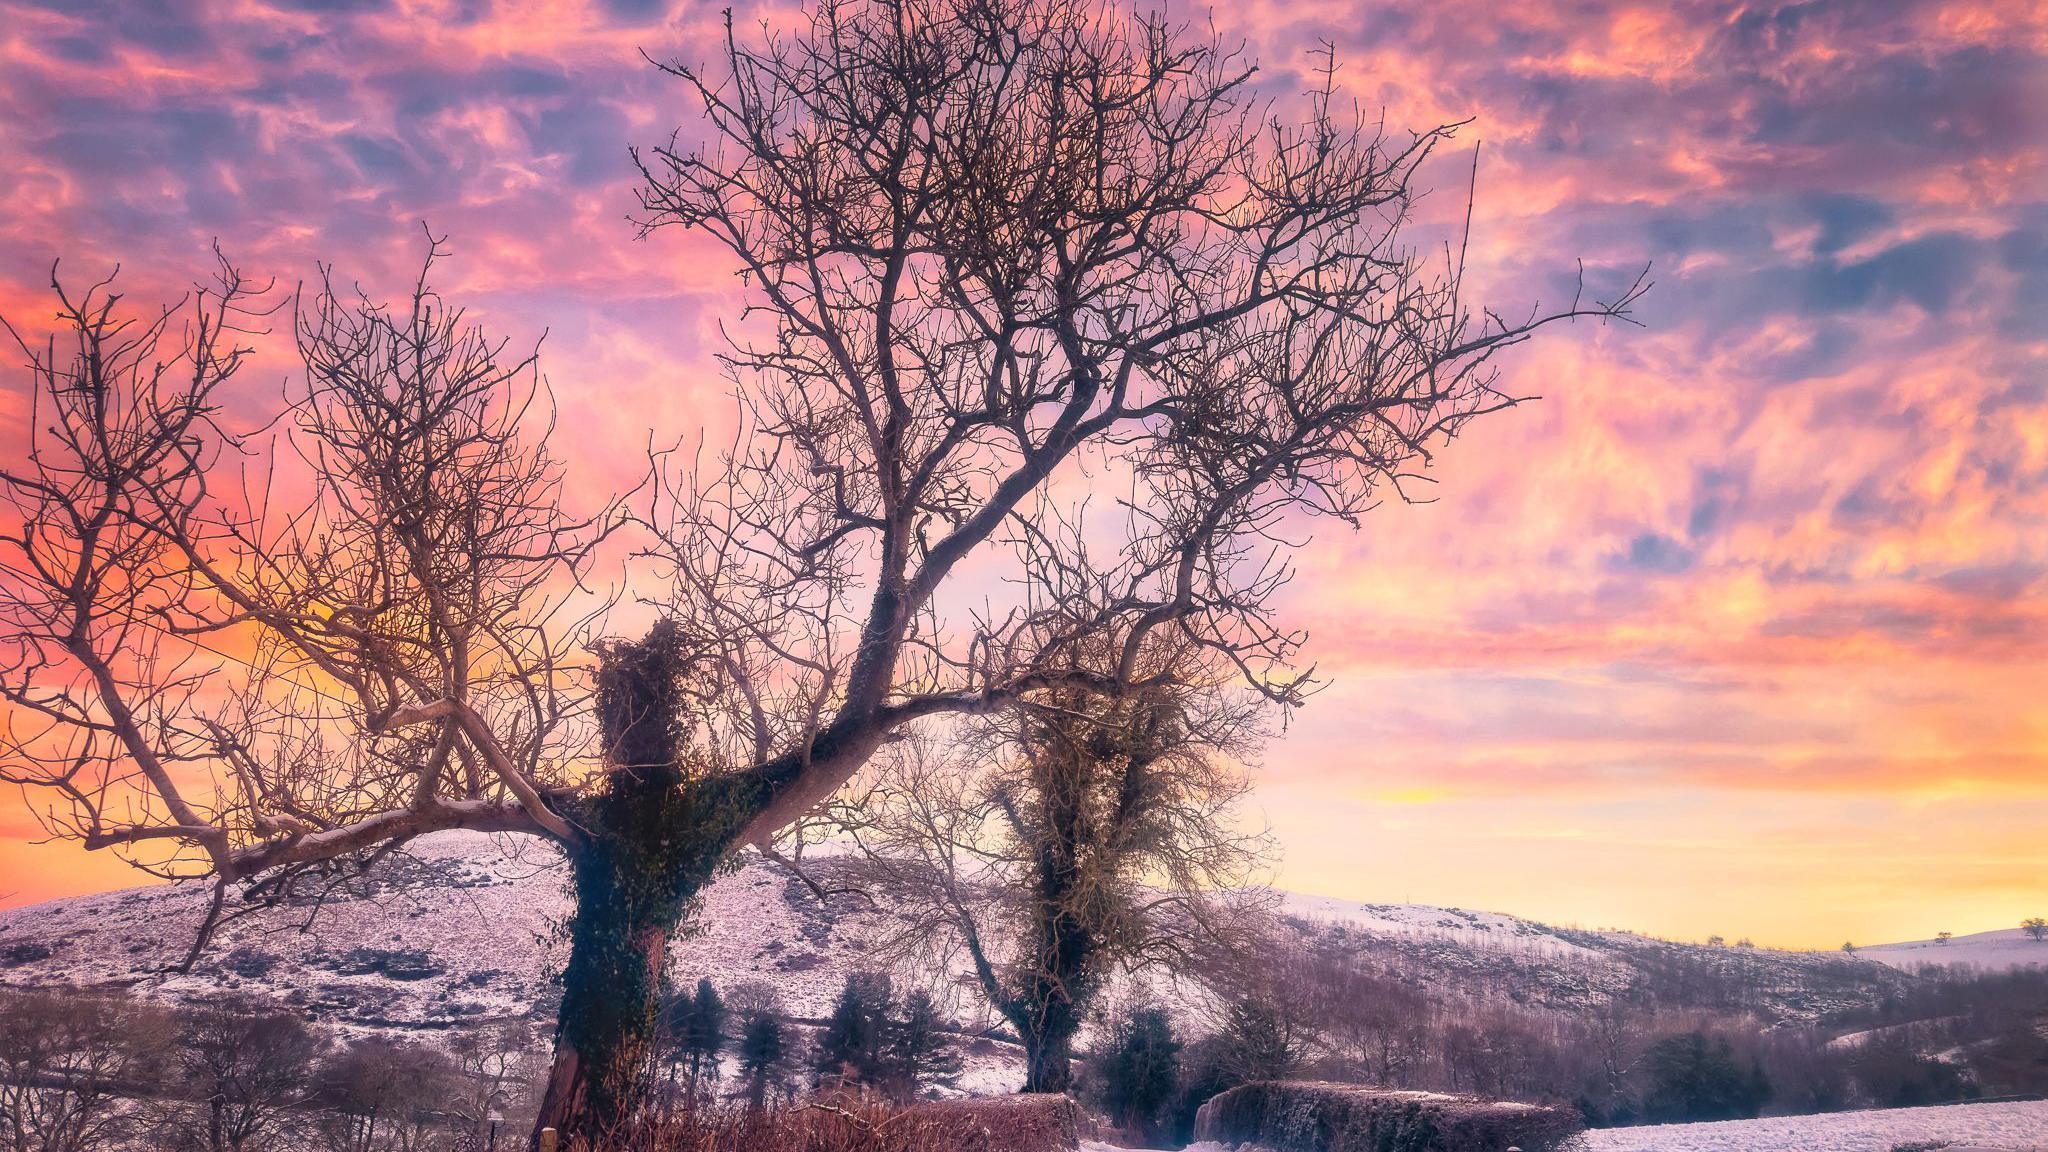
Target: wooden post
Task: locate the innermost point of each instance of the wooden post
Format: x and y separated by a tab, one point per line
548	1137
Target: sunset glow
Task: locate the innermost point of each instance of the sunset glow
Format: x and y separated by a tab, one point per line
1742	628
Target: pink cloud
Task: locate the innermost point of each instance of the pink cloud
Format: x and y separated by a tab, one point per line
1790	539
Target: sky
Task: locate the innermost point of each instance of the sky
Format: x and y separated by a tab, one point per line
1741	630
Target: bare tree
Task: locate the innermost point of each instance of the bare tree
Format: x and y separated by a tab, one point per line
1075	834
170	631
381	1095
251	1072
998	252
275	660
494	1068
1380	1026
67	1063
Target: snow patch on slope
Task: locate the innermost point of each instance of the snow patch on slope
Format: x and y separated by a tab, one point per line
1484	930
1997	951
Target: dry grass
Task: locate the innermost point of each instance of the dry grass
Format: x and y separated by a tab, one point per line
851	1124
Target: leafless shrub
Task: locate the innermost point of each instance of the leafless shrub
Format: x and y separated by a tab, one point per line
246	1076
381	1095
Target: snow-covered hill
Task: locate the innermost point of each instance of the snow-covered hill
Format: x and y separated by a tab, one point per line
461	931
1488	957
1998	951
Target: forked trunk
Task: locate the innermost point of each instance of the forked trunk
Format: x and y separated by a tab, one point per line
651	840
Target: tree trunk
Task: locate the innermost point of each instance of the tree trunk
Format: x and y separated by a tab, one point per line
651	839
1051	1013
1062	945
611	997
650	848
1049	1052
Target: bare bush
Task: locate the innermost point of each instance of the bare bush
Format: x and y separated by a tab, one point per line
247	1075
495	1070
861	1124
380	1095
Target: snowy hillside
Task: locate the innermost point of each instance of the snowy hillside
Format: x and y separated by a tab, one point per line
1997	951
1485	956
459	932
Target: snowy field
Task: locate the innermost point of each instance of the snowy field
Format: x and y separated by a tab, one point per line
2019	1127
2008	1127
1988	951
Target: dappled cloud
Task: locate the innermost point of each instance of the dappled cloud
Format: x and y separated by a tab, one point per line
1772	568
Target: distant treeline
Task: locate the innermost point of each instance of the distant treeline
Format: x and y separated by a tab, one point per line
1693	1034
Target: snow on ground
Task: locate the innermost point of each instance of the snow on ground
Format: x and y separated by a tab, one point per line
2010	1127
1474	929
464	930
1990	951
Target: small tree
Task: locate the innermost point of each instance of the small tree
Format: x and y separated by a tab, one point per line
250	1070
703	1033
1691	1078
765	1053
494	1068
67	1062
919	1053
850	1048
2036	927
1140	1068
1942	938
378	1094
1260	1042
1077	833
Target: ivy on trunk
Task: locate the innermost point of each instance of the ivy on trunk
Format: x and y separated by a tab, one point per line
653	837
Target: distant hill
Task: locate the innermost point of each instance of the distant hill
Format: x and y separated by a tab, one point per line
1998	951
